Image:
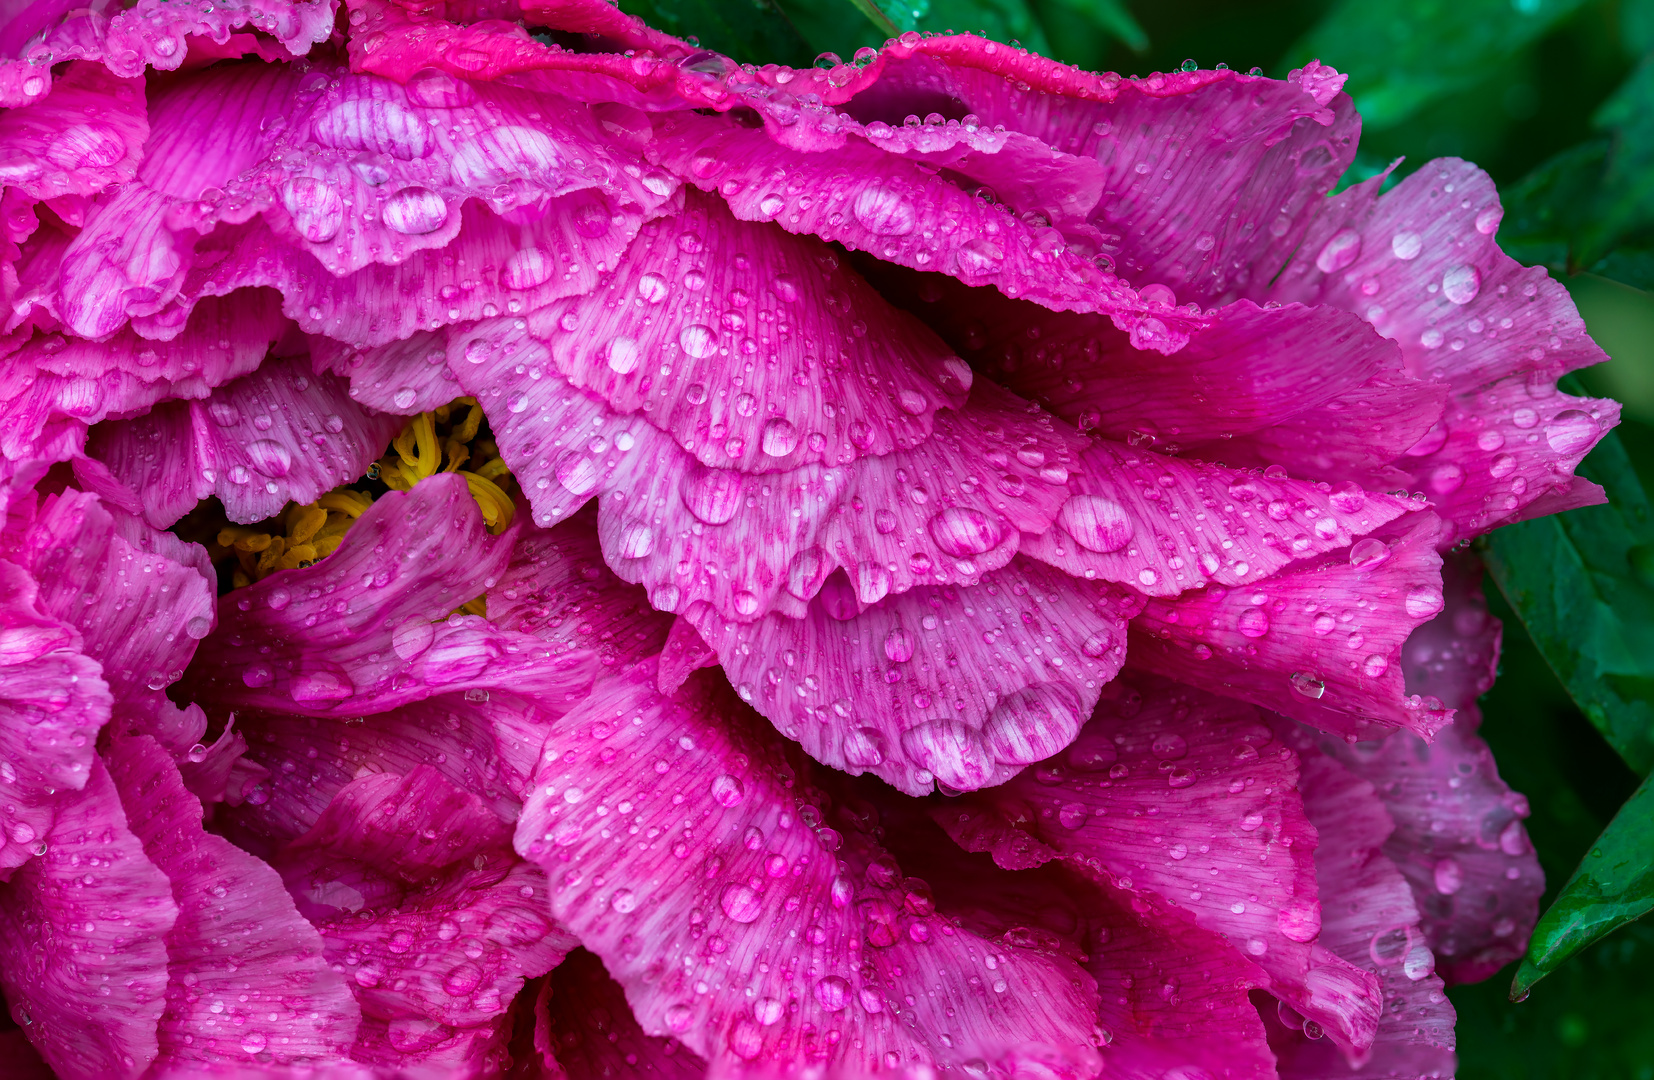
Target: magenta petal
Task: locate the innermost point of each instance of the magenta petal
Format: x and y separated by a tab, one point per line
53	701
1374	925
944	512
85	135
404	377
1321	641
1224	796
593	1034
789	945
844	375
419	898
139	613
53	381
238	940
1206	522
368	628
962	686
1459	838
277	435
64	938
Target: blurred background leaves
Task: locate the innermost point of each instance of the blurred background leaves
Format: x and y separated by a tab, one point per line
1555	99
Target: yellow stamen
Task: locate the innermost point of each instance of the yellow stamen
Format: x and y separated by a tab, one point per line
497	507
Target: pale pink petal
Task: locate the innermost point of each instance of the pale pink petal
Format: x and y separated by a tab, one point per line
278	435
1459	838
797	930
944	512
138	613
1370	921
1162	524
1421	264
249	981
53	701
434	920
674	335
368	628
85	135
1188	801
1321	641
56	382
148	33
593	1035
404	377
65	939
959	686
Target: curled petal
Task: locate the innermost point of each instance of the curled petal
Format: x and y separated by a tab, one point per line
53	701
1374	925
276	436
962	686
1459	838
63	937
87	133
1321	641
1228	845
1162	525
290	1003
809	916
675	334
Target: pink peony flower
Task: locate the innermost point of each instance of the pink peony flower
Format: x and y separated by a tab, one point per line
931	566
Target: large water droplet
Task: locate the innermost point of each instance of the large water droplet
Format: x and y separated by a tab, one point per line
1340	251
1461	283
698	340
622	355
269	457
373	125
952	751
415	211
623	901
833	993
637	540
780	438
884	210
1570	431
864	748
91	145
316	208
1253	622
1033	723
960	531
712	495
740	902
1406	245
728	790
502	154
436	89
1096	523
1424	601
527	268
254	1042
1368	552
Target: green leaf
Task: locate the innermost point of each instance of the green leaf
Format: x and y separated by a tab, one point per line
751	31
1583	584
1111	16
1002	20
1403	54
1613	886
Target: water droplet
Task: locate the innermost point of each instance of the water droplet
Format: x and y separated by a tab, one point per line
1338	252
1253	622
317	210
527	268
1170	745
1424	601
1033	723
980	257
1096	524
269	457
1308	684
712	495
502	154
415	211
767	1011
1073	815
637	540
1406	245
1420	962
898	645
780	438
374	125
254	1042
884	210
1571	431
740	902
728	790
1368	552
653	288
436	89
1447	876
698	340
87	146
833	993
622	355
198	627
960	531
952	751
1375	666
1461	283
864	748
623	901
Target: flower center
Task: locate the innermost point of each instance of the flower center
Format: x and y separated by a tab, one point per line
443	440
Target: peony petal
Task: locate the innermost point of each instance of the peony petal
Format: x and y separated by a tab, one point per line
702	295
1192	523
138	613
418	896
364	630
557	588
275	436
594	1035
1459	839
1420	263
404	166
978	682
284	1004
92	913
946	511
148	33
1374	925
1321	641
1185	800
763	906
404	377
83	136
56	381
53	701
903	212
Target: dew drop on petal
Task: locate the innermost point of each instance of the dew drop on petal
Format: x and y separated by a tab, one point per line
1096	523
